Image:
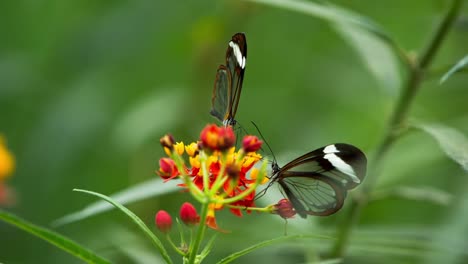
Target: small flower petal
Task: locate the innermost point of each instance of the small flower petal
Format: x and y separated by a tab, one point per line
254	176
192	149
194	162
179	148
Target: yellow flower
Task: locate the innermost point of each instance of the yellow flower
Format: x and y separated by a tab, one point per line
250	159
179	148
254	174
192	149
194	162
7	161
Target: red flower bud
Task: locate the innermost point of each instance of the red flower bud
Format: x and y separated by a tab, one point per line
284	208
7	195
251	143
217	138
189	214
163	221
167	168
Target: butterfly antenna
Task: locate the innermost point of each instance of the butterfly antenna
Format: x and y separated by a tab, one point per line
241	127
240	131
266	142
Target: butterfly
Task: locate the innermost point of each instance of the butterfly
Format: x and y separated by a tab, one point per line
317	183
228	83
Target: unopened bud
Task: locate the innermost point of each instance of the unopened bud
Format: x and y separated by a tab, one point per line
167	141
163	221
284	208
189	215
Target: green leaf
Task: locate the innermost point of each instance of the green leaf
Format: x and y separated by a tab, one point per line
207	249
145	190
375	54
138	251
451	234
267	243
330	261
412	242
456	68
336	14
133	129
53	238
419	193
450	140
136	220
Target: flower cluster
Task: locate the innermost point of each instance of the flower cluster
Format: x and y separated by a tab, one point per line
217	174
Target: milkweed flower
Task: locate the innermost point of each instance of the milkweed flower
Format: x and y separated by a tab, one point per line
167	169
216	173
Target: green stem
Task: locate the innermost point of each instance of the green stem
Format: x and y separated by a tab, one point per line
257	209
169	239
395	126
195	245
221	179
206	174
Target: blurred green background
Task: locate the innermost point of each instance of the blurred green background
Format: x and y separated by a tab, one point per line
87	88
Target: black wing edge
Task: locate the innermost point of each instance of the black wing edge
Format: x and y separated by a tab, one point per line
240	40
355	158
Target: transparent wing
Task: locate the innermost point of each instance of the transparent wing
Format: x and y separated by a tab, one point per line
228	82
313	194
221	98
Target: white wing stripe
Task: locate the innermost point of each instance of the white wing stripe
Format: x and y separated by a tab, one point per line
238	54
340	164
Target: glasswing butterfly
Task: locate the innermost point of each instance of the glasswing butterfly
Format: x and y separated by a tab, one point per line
317	183
228	83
